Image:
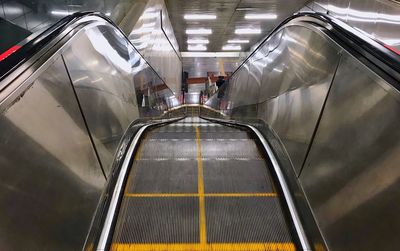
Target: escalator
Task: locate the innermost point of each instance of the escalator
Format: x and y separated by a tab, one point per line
98	154
198	185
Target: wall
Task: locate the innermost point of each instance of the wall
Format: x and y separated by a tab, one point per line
199	66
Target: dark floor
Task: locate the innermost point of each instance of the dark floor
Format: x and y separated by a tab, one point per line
196	185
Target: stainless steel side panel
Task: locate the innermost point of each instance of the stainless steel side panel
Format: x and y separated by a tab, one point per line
50	178
238	87
351	176
253	86
295	82
158	48
102	71
380	19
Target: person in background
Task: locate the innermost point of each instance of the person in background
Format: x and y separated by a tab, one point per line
220	82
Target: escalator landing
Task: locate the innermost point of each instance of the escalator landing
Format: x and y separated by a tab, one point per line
196	185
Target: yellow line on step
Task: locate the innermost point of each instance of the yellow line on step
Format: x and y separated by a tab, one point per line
200	188
152	195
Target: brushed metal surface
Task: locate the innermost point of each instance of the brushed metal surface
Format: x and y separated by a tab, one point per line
114	85
50	177
238	86
153	36
379	19
102	77
295	83
287	86
351	176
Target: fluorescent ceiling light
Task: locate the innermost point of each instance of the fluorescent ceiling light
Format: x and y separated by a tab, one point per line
59	12
200	31
247	31
198	47
142	30
260	16
149	24
224	54
238	41
151	9
149	15
198	41
108	14
199	17
231	48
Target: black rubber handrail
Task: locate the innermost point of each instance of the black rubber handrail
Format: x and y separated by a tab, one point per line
33	46
376	55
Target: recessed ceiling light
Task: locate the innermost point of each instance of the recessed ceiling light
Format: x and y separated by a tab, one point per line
148	24
59	13
199	17
248	31
224	54
198	41
200	31
238	41
198	47
142	30
231	48
260	16
149	15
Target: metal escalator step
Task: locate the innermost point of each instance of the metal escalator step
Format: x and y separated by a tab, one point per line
166	176
191	134
169	149
200	186
236	176
173	135
226	135
230	149
159	220
245	220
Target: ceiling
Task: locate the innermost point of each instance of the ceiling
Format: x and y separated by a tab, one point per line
230	16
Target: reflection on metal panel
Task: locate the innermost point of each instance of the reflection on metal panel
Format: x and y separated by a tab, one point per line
238	86
158	48
351	176
102	75
378	19
50	178
295	83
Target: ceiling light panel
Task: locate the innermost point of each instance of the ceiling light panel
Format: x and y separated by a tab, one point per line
198	47
149	15
264	16
238	41
199	17
248	31
231	48
198	41
200	31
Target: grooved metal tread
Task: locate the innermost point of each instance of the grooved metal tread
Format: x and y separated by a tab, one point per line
206	187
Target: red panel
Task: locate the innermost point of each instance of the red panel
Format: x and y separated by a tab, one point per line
392	49
9	52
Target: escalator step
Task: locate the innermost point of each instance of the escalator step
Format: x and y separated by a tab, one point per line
196	185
